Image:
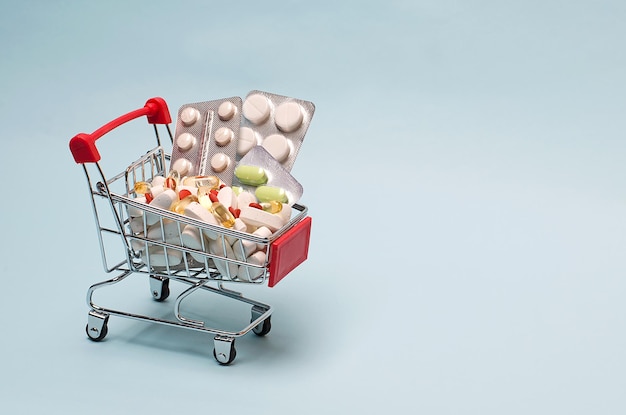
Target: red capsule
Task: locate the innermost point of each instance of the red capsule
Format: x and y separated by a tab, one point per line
170	182
213	197
149	197
183	194
256	205
234	212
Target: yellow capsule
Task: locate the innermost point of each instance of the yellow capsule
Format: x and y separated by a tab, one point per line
205	201
141	188
179	206
208	181
223	215
272	206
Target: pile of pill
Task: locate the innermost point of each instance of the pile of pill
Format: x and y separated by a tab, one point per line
207	199
230	168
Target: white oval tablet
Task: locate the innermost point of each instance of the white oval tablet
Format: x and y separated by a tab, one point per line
182	166
227	197
167	230
157	190
164	199
192	238
248	138
185	141
136	225
157	181
262	232
252	273
221	248
219	162
135	212
257	217
256	108
245	198
159	258
278	146
226	110
288	116
223	136
189	116
196	211
238	226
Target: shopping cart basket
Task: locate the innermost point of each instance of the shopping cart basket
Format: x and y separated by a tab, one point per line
164	258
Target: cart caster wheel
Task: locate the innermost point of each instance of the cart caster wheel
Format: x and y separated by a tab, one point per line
224	351
97	326
262	328
160	288
95	334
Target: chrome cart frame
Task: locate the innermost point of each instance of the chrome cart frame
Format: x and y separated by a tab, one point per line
113	200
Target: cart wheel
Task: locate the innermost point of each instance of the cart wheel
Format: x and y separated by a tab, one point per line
160	288
262	328
96	335
224	351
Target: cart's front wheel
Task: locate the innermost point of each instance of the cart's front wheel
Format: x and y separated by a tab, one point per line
224	350
96	334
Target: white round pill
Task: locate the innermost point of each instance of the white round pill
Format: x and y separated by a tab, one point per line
288	116
189	116
278	146
185	141
219	162
223	136
226	110
182	166
256	108
247	139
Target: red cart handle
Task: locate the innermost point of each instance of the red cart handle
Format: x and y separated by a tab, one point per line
83	146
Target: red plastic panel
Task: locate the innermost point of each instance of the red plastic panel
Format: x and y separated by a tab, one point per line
289	251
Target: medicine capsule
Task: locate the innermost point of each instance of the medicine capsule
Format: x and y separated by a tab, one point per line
205	201
202	181
251	175
141	188
179	206
270	193
223	215
172	179
272	207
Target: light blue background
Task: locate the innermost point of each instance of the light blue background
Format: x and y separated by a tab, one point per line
464	171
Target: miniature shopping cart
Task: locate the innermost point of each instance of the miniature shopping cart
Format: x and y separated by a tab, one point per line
113	199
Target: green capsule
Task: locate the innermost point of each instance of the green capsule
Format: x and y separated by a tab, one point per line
251	175
271	193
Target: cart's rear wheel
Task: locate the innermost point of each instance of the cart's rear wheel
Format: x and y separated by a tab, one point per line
160	288
96	335
263	328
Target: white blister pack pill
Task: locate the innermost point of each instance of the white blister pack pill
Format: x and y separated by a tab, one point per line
206	138
276	122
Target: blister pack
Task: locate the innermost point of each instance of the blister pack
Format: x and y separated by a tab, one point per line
260	173
206	138
275	122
